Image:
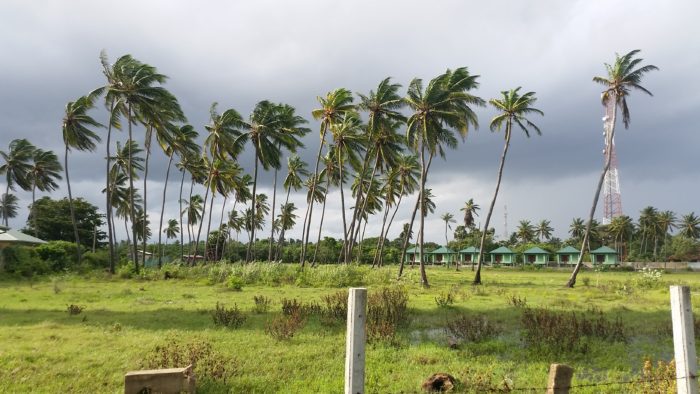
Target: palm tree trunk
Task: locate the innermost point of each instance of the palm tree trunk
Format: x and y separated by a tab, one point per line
72	211
36	230
110	225
5	207
182	235
310	208
320	226
410	226
201	222
94	237
218	236
189	225
362	210
250	253
477	276
272	218
360	185
147	145
381	235
126	227
162	211
423	175
388	227
280	240
206	240
572	279
342	201
132	208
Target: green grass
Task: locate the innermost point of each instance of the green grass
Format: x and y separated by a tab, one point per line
44	349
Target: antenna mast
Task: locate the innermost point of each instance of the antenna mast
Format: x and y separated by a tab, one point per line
612	199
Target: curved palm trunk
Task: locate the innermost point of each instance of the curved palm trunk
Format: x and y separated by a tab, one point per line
72	211
572	279
477	275
351	230
145	199
190	229
36	230
360	215
132	208
423	176
342	202
218	236
388	227
310	208
410	226
108	191
162	211
182	235
201	222
320	226
381	236
272	218
280	240
250	254
206	241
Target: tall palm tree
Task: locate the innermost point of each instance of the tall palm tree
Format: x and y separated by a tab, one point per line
525	231
172	230
689	226
331	173
667	222
193	210
448	218
181	142
544	230
577	229
78	135
16	168
8	205
623	77
470	209
514	109
192	164
46	169
437	112
648	227
285	221
621	228
333	106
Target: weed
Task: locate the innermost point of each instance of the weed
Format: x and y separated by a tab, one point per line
659	380
335	308
445	300
474	328
262	304
648	278
484	382
586	281
291	307
57	287
75	309
234	283
228	317
387	309
188	296
283	327
517	302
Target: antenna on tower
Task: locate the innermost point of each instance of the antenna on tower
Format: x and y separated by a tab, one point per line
612	199
505	222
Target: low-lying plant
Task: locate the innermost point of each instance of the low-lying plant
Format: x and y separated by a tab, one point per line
657	380
334	308
261	304
75	309
472	328
387	309
228	317
445	300
283	327
515	301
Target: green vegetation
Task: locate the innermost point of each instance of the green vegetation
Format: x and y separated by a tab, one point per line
284	330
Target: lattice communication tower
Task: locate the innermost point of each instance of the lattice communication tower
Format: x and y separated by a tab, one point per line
612	199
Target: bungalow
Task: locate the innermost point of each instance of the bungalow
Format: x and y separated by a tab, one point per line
604	255
10	237
568	255
537	256
412	255
502	255
443	255
468	255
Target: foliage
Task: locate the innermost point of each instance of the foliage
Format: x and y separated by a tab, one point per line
73	309
445	300
261	304
228	317
59	255
23	261
658	380
648	278
53	221
387	309
284	326
472	328
335	307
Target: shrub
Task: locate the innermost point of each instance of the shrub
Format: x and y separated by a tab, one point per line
648	278
444	300
262	304
387	309
97	259
659	380
335	308
208	364
475	328
59	255
517	302
234	283
484	382
24	261
126	271
75	309
283	327
292	307
228	317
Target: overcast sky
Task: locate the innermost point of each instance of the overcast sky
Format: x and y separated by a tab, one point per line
238	53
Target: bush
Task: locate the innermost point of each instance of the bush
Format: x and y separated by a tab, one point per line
387	309
24	261
445	300
648	278
335	308
126	271
97	259
659	380
230	318
283	327
517	302
262	304
59	255
75	309
234	283
474	328
294	307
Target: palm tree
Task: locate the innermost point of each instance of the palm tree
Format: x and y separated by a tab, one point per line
171	231
182	143
16	168
577	229
285	221
45	170
544	230
689	226
525	231
622	78
621	228
192	164
77	135
439	110
331	173
514	109
194	211
333	107
470	209
8	205
648	227
448	218
666	222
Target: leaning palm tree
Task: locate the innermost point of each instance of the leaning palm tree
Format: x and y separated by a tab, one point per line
46	169
8	206
16	168
689	226
78	135
622	78
333	107
470	209
448	218
514	109
437	113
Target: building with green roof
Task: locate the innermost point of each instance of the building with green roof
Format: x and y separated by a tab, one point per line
502	255
442	255
10	237
568	255
468	255
604	255
536	255
412	255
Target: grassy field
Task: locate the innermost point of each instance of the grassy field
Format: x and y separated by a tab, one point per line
44	349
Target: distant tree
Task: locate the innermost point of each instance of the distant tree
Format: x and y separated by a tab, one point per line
448	218
45	170
53	221
8	206
544	230
172	230
16	168
689	226
525	231
470	209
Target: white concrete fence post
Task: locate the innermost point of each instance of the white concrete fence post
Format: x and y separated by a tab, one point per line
684	340
355	342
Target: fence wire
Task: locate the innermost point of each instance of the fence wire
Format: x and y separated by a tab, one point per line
574	386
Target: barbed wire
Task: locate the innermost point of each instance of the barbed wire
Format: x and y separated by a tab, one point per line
573	386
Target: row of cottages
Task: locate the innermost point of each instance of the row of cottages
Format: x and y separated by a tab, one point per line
504	256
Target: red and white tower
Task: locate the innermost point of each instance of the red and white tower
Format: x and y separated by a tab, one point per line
612	200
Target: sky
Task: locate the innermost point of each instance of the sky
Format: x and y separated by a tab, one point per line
237	53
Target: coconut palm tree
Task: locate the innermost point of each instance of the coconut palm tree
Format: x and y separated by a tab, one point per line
544	230
194	210
171	231
333	106
689	226
525	231
16	168
285	221
45	170
470	209
667	222
514	109
8	206
437	112
577	229
624	75
78	135
447	218
331	173
648	227
621	228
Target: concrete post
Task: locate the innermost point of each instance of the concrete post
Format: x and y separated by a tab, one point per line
355	342
684	340
559	381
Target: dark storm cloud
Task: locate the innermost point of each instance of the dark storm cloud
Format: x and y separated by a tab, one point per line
241	52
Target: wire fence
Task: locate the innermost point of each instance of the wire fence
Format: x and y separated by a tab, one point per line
583	385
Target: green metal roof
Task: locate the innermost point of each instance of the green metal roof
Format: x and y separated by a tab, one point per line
568	249
604	250
442	250
470	249
502	250
14	236
412	250
535	250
